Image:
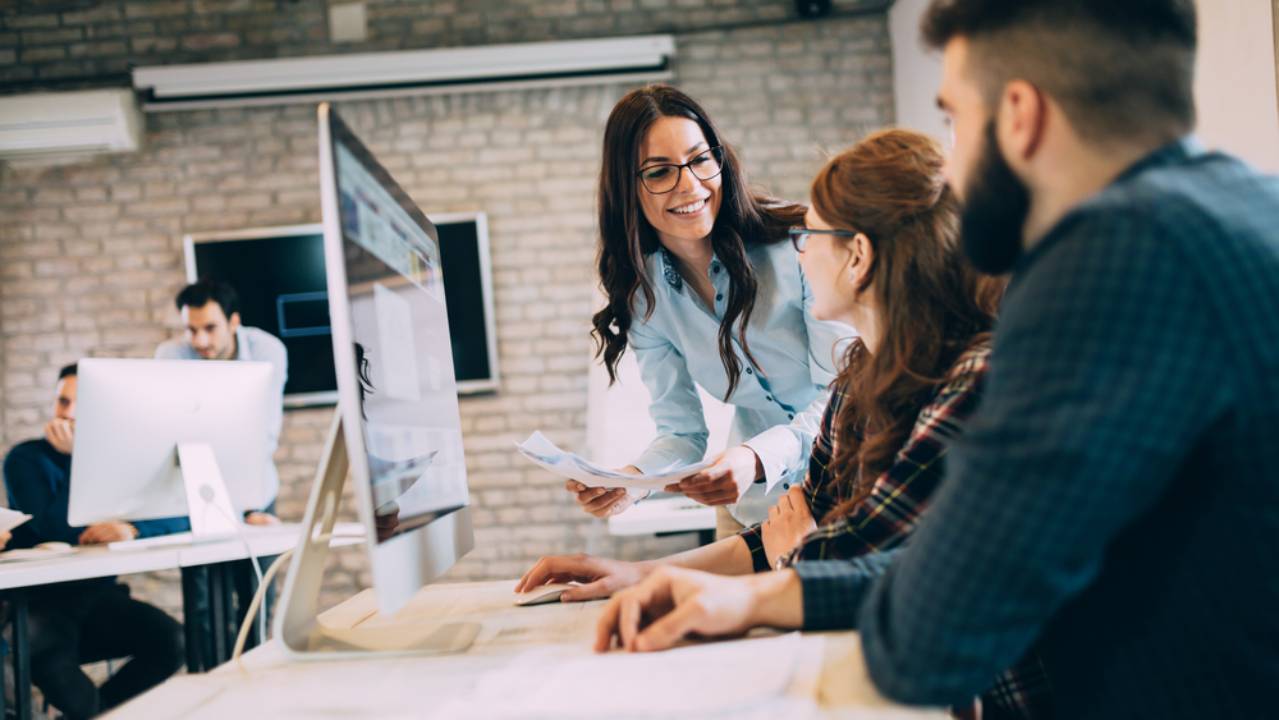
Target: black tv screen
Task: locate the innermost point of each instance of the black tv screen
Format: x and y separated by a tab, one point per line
279	275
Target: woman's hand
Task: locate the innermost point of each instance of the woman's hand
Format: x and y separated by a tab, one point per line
725	481
787	524
601	576
602	502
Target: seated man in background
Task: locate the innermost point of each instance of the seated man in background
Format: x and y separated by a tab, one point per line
1113	503
88	620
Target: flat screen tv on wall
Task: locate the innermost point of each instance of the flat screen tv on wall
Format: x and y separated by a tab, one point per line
278	273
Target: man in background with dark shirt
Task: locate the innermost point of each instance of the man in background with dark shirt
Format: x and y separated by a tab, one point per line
88	620
1113	505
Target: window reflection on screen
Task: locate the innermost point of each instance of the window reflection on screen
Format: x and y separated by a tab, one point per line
408	394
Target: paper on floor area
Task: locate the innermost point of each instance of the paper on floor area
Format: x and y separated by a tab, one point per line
548	456
10	519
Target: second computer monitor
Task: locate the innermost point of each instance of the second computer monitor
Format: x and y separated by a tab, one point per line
131	415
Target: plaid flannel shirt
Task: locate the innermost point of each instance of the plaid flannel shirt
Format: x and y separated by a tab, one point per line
897	499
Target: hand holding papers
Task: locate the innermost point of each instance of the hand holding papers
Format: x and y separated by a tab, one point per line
548	456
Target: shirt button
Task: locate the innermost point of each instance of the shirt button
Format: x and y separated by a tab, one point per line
790	416
786	486
719	297
768	398
749	371
714	267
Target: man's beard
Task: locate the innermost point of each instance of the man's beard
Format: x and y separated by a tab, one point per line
996	203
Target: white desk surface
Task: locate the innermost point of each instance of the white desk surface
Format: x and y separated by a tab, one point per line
97	561
520	645
661	515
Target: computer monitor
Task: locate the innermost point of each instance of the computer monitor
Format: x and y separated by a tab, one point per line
397	392
146	430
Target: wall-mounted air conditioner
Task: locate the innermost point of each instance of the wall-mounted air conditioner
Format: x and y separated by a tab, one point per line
69	123
409	72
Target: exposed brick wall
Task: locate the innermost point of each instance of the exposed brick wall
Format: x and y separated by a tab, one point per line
61	41
90	252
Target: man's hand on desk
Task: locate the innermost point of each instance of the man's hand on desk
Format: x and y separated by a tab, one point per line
725	481
602	576
673	603
107	532
60	433
261	518
602	502
5	537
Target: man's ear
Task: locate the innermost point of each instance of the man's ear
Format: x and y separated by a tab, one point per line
1020	120
233	322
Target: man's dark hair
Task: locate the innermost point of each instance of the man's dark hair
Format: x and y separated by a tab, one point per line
1122	70
199	293
67	371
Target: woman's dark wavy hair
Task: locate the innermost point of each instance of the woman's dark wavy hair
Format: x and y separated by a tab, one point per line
933	304
626	237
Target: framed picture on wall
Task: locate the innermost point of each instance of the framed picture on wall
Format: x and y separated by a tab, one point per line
278	273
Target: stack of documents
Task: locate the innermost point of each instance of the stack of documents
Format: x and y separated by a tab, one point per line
548	456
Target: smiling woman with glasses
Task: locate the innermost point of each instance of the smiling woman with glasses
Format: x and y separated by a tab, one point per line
880	250
704	289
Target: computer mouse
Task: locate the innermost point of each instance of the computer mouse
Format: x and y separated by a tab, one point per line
54	545
542	594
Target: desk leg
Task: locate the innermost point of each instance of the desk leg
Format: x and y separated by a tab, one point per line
194	614
218	610
230	628
21	653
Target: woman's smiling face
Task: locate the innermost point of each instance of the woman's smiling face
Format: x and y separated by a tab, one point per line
686	213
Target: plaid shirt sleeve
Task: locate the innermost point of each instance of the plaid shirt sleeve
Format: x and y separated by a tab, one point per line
817	482
901	493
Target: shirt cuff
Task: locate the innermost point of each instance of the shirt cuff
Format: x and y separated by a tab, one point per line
755	543
777	449
833	592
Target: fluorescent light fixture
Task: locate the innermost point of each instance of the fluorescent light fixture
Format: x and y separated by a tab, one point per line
409	72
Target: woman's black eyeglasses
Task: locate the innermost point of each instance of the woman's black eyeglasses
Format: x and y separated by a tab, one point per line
660	179
799	235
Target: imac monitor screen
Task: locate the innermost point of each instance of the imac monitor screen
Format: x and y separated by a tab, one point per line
397	390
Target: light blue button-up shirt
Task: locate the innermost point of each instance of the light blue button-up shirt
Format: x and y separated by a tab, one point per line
252	344
778	403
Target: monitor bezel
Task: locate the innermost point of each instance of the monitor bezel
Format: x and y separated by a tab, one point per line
403	564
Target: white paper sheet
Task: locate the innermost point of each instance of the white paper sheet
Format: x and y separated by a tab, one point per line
10	519
705	680
539	449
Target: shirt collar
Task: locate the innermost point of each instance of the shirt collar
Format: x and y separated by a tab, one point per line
670	269
1174	153
1177	151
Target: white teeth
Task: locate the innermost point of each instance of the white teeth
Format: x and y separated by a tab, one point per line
690	208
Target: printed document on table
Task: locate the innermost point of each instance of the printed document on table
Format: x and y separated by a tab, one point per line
550	457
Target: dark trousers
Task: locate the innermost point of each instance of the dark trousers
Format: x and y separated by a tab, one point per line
79	623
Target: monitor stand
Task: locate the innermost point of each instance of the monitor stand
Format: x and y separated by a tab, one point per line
300	627
208	502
